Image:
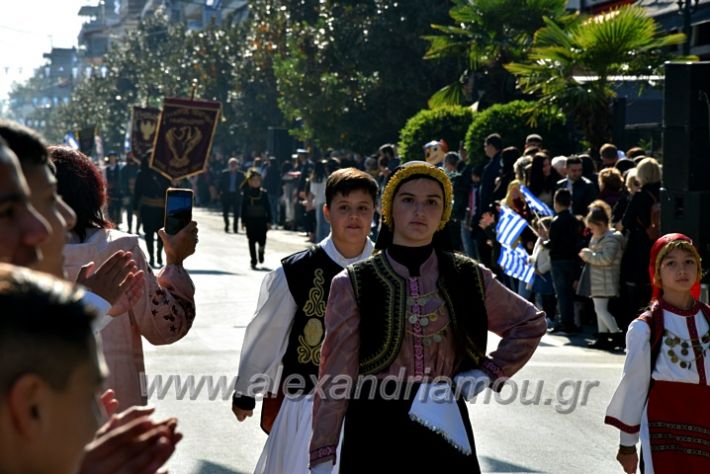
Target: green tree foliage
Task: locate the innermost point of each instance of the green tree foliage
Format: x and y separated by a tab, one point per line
157	60
486	35
254	95
448	122
512	122
352	72
570	66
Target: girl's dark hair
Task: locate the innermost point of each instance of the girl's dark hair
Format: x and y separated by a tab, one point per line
82	186
320	171
508	157
537	178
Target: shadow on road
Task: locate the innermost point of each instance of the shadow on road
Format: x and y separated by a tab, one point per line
206	467
210	272
495	465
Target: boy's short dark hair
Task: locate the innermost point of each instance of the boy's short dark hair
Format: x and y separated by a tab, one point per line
345	180
574	160
388	150
563	197
45	329
452	158
495	140
634	152
609	151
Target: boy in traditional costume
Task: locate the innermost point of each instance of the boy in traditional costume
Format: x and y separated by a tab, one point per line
663	394
287	329
413	314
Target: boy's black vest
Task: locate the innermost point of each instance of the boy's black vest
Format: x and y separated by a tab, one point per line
381	295
308	274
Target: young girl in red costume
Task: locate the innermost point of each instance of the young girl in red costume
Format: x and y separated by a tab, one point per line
663	394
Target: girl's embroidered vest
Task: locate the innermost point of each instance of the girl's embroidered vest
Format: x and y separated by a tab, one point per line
381	295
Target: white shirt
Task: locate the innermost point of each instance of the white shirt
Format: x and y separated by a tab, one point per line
266	338
629	401
101	306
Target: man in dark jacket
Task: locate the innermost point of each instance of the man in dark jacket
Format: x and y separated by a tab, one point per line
128	187
112	172
583	190
229	182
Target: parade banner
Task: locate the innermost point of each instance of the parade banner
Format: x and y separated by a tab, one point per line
144	123
184	138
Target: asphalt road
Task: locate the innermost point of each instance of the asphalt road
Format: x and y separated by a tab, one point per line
549	420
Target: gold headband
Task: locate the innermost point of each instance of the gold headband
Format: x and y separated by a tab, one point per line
417	168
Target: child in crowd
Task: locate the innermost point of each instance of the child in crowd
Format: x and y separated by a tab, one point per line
603	261
256	214
663	393
287	328
542	284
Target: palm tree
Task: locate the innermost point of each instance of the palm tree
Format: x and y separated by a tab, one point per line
570	65
486	35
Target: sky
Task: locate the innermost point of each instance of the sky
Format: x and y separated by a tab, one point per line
30	28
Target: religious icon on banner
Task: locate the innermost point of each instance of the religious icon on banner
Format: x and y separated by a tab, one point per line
144	123
184	137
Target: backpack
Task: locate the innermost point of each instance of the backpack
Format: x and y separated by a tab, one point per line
653	231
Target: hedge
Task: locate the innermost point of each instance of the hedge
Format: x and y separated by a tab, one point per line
447	122
511	121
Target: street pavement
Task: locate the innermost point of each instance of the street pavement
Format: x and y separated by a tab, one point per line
559	431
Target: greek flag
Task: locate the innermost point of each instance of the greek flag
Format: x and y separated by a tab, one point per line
539	207
514	263
71	141
510	225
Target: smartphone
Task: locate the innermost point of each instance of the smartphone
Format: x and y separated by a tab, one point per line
178	209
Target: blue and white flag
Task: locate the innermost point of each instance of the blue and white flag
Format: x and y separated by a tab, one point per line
71	141
539	207
127	138
514	263
510	225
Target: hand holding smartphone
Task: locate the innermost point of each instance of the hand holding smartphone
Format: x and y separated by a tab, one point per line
178	209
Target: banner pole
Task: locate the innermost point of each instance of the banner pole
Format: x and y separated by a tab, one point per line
194	89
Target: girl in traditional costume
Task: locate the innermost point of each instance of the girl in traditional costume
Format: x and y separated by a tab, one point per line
402	325
663	394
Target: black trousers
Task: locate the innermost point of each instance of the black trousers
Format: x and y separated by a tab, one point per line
115	206
231	202
256	234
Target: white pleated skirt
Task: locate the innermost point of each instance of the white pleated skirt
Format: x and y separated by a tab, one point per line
287	449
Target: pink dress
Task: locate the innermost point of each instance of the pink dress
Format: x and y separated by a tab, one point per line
163	315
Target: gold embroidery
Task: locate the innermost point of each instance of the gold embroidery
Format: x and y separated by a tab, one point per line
309	342
315	306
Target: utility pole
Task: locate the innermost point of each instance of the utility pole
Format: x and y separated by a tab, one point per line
687	9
